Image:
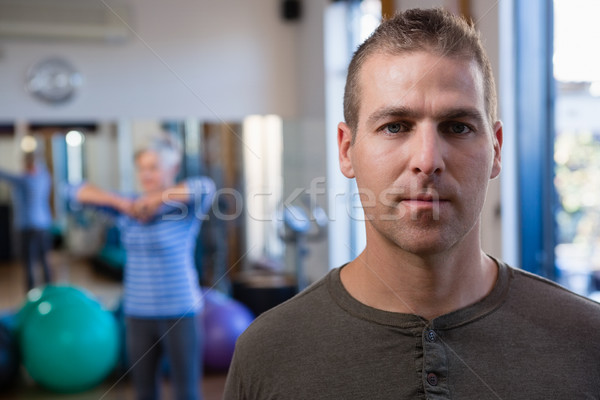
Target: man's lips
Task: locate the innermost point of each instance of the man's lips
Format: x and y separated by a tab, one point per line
423	201
419	196
424	197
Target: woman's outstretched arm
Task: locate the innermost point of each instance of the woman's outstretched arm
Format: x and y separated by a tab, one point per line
93	195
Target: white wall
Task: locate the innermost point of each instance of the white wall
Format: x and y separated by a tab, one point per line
208	59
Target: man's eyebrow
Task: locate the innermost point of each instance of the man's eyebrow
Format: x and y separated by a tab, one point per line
405	112
395	112
459	113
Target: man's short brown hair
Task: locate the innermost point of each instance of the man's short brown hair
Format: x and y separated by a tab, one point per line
434	30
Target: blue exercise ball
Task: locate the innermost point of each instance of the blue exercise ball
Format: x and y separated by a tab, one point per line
8	318
9	357
224	321
68	342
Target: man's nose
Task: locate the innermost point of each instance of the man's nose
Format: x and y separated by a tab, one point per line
427	152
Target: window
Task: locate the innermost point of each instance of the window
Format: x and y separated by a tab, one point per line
576	63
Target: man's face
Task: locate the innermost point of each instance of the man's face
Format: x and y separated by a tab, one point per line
424	150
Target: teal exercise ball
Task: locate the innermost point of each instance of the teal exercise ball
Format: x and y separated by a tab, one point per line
35	296
68	342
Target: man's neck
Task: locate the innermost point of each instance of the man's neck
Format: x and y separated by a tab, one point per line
426	286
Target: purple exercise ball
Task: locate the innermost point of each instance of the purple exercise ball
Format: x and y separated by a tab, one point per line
224	320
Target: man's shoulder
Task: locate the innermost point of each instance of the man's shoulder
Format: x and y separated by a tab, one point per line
298	306
541	295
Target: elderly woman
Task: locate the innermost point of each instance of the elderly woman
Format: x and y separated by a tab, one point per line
161	289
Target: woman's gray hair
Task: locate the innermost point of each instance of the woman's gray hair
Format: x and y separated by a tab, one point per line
168	149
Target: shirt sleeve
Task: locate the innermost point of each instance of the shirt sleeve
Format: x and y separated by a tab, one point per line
10	177
202	192
234	389
70	194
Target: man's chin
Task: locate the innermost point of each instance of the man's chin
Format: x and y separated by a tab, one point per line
427	249
421	242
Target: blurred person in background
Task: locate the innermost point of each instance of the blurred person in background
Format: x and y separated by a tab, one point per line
162	298
32	216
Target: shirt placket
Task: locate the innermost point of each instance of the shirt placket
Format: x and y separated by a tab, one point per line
435	365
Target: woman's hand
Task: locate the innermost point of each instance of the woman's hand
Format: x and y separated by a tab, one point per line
146	206
124	205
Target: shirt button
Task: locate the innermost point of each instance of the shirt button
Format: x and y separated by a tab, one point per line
432	379
430	335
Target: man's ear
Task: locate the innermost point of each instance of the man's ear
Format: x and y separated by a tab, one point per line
344	138
497	143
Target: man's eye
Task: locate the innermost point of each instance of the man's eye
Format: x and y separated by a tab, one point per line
459	128
393	128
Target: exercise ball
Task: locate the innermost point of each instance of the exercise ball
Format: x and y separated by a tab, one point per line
68	342
35	296
8	318
9	357
224	320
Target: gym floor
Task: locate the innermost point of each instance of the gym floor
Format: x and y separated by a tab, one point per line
76	271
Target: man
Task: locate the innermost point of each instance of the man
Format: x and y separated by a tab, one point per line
32	216
422	312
